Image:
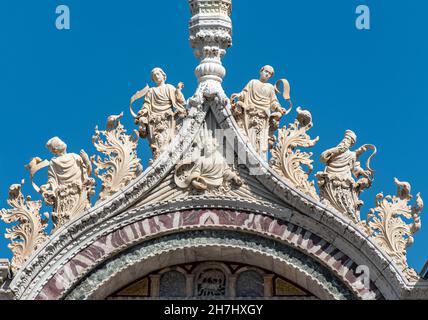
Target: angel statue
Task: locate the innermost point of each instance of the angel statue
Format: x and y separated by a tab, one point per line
162	109
337	185
258	112
69	185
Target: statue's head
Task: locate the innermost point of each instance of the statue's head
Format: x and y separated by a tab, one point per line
350	137
158	76
266	73
56	146
211	147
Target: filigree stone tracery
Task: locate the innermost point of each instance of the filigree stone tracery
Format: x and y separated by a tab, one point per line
386	225
121	164
337	185
287	160
29	234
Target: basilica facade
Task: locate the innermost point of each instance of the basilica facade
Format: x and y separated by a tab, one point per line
226	209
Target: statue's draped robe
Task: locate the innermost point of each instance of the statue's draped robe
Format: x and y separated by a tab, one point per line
67	179
65	170
159	105
337	185
342	166
259	100
210	170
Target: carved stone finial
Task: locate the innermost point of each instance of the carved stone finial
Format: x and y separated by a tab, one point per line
210	35
121	164
386	225
287	160
337	185
29	234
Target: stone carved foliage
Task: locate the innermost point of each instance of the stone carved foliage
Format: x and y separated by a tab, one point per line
258	112
338	188
29	233
206	169
162	109
288	160
121	164
392	224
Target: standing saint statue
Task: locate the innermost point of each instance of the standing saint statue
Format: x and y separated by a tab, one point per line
337	185
258	112
69	185
163	106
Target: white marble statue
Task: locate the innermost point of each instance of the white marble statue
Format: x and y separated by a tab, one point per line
337	185
206	170
258	111
163	106
69	185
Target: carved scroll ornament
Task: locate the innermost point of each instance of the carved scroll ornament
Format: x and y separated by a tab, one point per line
288	160
29	234
121	164
393	223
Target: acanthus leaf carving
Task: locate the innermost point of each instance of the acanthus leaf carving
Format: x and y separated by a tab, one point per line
29	234
393	223
121	164
287	159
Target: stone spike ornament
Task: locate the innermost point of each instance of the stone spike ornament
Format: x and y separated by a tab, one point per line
288	160
121	164
386	225
29	234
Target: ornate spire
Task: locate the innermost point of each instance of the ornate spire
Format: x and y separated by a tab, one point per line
210	36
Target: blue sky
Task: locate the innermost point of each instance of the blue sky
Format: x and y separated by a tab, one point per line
63	83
